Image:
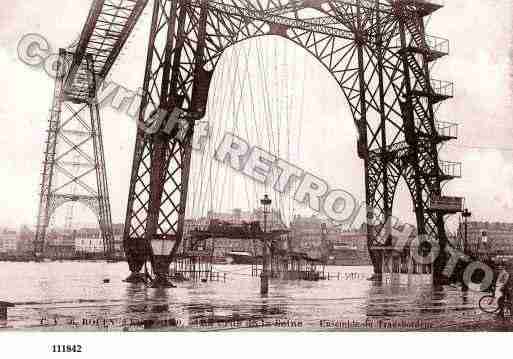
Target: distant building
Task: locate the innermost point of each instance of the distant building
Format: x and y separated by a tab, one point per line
59	251
8	241
88	244
356	239
305	233
54	238
118	245
331	245
118	230
488	237
191	224
25	243
59	245
349	248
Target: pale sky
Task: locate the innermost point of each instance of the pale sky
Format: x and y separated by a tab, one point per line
479	64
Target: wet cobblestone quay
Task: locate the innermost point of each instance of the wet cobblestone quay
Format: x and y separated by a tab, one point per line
73	296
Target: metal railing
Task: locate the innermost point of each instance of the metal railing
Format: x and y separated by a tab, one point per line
447	129
426	2
438	44
435	44
450	169
442	88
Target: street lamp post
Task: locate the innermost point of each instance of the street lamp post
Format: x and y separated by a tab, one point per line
466	214
484	241
264	276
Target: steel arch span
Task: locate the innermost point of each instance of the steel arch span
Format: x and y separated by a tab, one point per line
380	56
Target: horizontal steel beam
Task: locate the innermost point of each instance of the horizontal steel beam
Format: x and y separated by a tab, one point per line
269	17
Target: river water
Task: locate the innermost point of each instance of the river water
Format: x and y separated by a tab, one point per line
73	296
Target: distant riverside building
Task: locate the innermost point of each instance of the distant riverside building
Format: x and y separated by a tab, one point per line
349	248
92	244
60	243
355	238
25	243
307	237
334	246
305	233
488	237
54	238
8	241
89	240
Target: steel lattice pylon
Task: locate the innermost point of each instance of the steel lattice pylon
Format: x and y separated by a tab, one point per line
75	118
377	51
74	155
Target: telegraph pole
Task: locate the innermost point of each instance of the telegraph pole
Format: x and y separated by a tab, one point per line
264	276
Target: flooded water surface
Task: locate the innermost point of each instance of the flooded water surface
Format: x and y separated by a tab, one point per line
73	295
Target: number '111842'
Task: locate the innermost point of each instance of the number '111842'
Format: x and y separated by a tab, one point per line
68	348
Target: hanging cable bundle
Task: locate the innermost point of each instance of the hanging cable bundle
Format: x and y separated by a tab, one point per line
251	98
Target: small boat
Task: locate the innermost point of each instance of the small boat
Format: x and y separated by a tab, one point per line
236	257
344	247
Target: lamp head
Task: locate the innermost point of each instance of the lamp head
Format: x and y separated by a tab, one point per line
266	200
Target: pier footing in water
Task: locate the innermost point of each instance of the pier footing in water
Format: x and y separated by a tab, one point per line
3	309
162	282
136	277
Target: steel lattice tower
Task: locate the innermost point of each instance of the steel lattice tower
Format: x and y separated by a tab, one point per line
377	51
74	155
75	118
